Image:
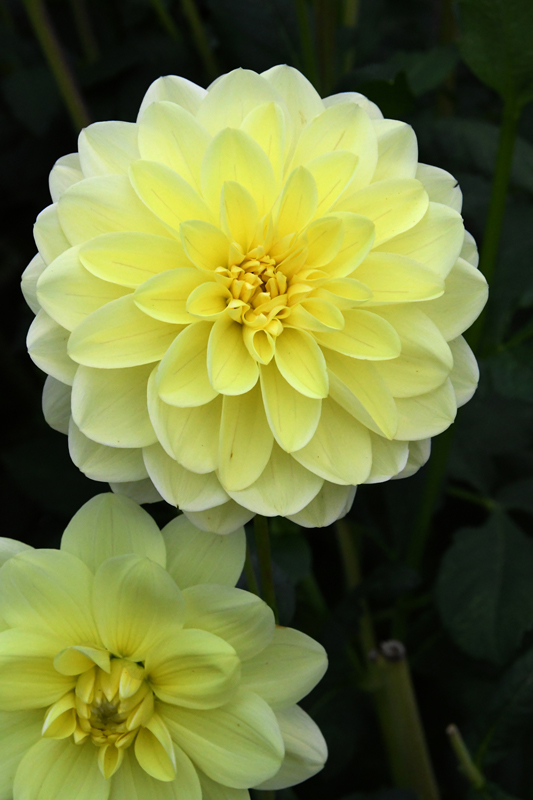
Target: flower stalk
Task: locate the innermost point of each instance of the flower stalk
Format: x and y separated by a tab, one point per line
475	777
200	38
262	543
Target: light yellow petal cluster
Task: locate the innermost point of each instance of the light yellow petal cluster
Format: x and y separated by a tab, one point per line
252	300
131	667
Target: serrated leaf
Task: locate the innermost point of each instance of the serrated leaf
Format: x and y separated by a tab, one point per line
496	42
484	589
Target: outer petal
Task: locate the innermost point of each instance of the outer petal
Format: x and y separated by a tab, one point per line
238	745
10	548
179	486
465	373
65	172
301	98
287	669
36	588
398	150
222	519
305	749
230	367
56	404
354	97
220	110
240	618
182	378
396	279
426	415
331	503
107	148
292	416
388	459
49	235
268	125
132	782
139	491
47	347
62	770
165	296
176	90
365	336
102	463
419	453
301	362
110	407
20	730
146	605
211	790
28	283
440	186
112	525
194	556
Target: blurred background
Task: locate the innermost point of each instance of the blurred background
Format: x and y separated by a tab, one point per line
448	554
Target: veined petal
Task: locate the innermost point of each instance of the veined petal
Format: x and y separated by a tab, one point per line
354	97
49	235
147	605
56	404
171	135
397	150
109	406
465	373
394	206
133	782
175	89
38	585
427	414
419	453
211	790
194	556
464	298
182	377
28	678
107	148
359	234
440	186
324	240
284	487
189	435
332	173
292	416
223	519
120	335
231	98
245	440
397	279
65	172
10	548
196	669
305	749
298	203
238	744
129	258
165	296
28	282
357	386
179	486
238	214
208	300
20	730
240	618
343	293
301	362
167	195
267	125
103	205
331	503
112	525
469	250
47	348
364	336
230	367
142	491
102	463
317	314
287	669
340	451
62	770
156	757
301	98
206	245
435	240
388	458
69	293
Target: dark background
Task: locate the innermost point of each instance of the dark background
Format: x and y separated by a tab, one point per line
465	609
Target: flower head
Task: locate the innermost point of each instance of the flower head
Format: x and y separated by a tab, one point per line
252	299
130	666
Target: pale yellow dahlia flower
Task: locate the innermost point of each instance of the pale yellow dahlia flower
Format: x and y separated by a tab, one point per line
252	299
132	669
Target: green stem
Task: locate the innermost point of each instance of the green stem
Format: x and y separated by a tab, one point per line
471	497
350	16
165	19
200	38
466	764
401	726
249	571
53	52
352	574
315	597
306	41
500	185
262	543
85	31
326	26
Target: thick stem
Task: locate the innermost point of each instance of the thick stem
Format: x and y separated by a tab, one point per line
500	186
262	543
165	19
200	38
57	62
466	764
306	42
326	12
400	722
85	30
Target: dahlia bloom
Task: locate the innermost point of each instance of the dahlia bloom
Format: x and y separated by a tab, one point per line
130	667
251	300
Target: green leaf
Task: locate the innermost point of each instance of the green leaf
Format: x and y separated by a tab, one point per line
496	42
484	589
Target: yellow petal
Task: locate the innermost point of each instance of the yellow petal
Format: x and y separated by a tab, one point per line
47	347
332	173
107	148
28	282
259	343
354	97
301	362
440	186
171	135
103	205
165	296
397	279
300	96
238	214
175	89
75	660
194	556
208	300
147	605
340	451
388	459
182	378
245	440
223	519
231	98
469	250
153	757
235	156
133	782
231	368
120	335
419	453
49	235
331	503
109	406
65	172
317	314
359	233
180	487
267	125
397	150
129	259
427	414
211	790
69	293
465	373
292	416
297	204
343	293
166	194
56	404
365	335
284	487
102	463
324	240
110	760
205	245
394	206
42	771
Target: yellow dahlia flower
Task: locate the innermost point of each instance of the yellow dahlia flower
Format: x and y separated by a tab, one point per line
130	667
252	299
